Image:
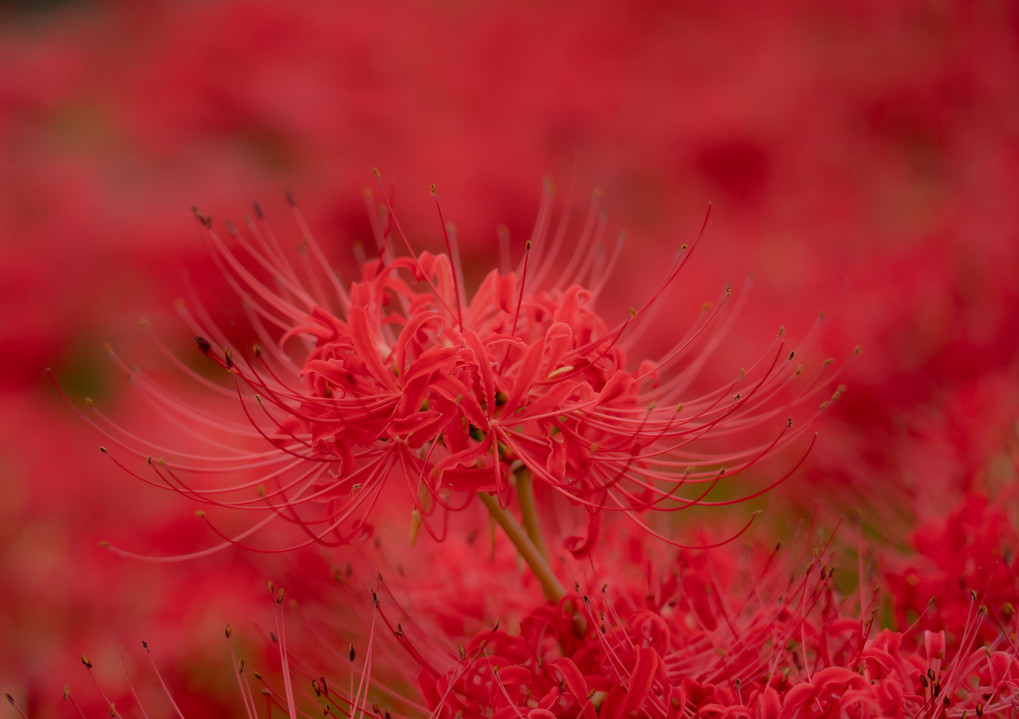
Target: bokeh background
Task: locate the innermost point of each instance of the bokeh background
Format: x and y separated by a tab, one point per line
862	158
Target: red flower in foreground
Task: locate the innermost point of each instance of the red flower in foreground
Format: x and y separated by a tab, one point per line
402	377
764	641
731	632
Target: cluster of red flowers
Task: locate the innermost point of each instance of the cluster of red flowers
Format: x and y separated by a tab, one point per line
492	443
520	396
692	645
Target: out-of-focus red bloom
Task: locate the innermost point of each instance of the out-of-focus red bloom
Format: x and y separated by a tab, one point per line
972	550
938	464
403	377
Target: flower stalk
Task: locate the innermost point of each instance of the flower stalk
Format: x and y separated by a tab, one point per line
529	509
535	558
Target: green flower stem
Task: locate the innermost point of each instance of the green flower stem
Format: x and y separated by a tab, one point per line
529	511
539	565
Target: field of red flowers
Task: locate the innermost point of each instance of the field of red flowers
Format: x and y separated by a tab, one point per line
498	495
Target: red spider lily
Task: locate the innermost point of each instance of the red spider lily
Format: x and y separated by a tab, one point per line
401	377
691	645
720	633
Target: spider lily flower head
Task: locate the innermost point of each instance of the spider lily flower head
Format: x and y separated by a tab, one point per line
404	378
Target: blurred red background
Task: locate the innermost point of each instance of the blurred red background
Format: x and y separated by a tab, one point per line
862	158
